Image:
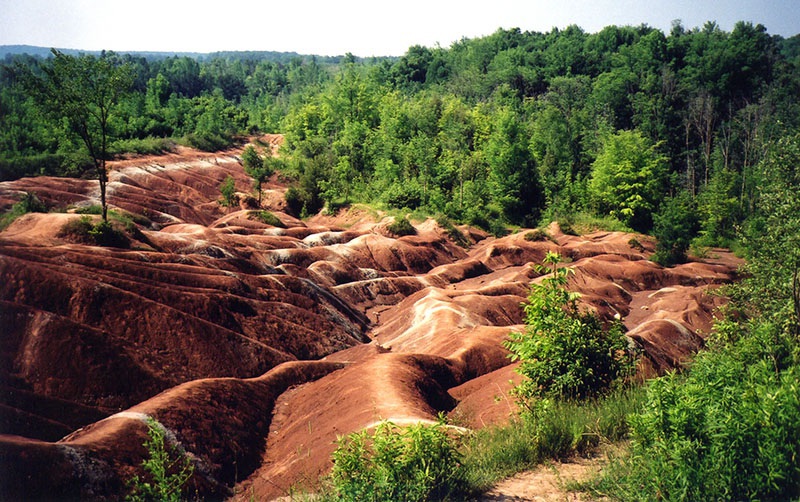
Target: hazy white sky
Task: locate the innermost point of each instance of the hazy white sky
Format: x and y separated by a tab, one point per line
334	27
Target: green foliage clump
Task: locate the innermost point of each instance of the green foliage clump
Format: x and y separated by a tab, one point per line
267	218
582	222
29	203
408	195
628	178
258	168
93	209
207	141
143	146
455	234
635	244
771	289
102	234
415	463
401	227
168	470
40	164
228	190
538	235
729	430
564	352
675	226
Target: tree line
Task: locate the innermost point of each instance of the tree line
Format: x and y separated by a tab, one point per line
651	129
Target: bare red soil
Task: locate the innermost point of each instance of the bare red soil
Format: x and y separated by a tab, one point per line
256	346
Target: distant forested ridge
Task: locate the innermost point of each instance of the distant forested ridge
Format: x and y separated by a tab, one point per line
654	130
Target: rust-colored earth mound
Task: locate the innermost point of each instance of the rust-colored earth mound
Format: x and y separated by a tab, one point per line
255	346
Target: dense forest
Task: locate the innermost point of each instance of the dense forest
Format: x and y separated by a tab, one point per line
649	129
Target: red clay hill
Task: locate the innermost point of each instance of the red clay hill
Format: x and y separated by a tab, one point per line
256	345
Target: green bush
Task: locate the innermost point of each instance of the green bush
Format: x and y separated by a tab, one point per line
228	190
406	195
564	352
401	226
267	218
104	234
675	225
415	463
82	230
93	209
452	232
168	471
730	430
207	142
537	235
144	146
45	164
29	203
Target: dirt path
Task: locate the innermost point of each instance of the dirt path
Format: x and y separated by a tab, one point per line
547	483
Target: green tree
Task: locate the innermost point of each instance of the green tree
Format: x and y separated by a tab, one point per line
565	352
83	91
228	190
772	240
628	178
258	168
675	225
513	179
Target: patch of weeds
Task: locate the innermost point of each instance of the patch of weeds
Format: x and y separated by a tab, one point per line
29	203
635	244
93	209
144	146
552	429
401	226
538	235
83	231
415	463
266	218
701	252
168	470
455	234
585	223
228	190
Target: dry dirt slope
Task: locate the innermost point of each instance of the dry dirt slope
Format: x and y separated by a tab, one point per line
256	346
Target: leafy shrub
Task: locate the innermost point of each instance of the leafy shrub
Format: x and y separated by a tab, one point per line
168	470
104	234
207	142
267	218
294	200
728	431
82	230
45	164
415	463
29	203
401	226
93	209
407	195
452	232
228	190
78	230
635	244
144	146
564	352
537	235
